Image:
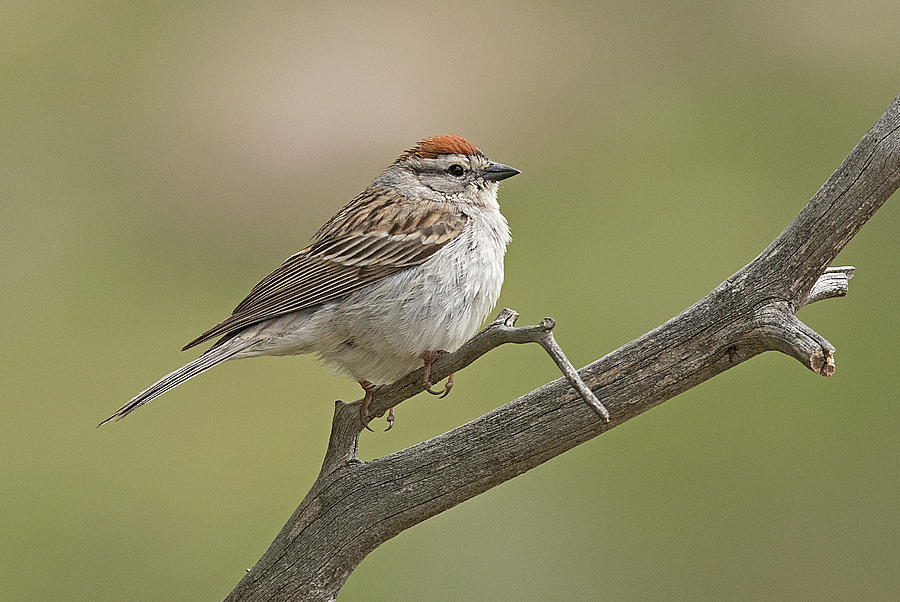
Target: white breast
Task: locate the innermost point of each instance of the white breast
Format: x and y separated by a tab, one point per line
378	333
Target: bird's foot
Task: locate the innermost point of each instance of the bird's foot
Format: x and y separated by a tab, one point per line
429	358
369	388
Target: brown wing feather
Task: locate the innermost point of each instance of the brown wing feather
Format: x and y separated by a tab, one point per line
347	255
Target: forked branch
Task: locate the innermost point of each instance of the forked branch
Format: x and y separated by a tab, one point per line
346	426
355	506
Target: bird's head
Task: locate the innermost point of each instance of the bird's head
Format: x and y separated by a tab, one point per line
446	168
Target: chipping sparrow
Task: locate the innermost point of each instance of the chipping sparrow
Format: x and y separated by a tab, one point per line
406	271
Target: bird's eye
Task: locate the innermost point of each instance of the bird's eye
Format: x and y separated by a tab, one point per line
456	170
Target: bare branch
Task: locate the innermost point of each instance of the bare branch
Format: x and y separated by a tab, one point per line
833	283
781	330
355	506
346	426
548	342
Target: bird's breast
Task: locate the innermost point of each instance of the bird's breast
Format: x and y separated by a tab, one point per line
437	305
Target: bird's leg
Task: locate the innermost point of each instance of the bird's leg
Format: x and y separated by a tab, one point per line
369	388
429	357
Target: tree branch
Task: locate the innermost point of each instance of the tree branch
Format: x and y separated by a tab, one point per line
346	426
353	506
833	283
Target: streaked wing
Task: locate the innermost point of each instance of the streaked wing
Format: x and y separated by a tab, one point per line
347	256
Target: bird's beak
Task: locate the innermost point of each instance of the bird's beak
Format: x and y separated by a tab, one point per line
498	171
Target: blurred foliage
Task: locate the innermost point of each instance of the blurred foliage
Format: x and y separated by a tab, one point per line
159	158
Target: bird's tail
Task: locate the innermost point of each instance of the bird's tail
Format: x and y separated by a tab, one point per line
168	382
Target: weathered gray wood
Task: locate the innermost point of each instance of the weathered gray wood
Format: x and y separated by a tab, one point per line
833	283
353	506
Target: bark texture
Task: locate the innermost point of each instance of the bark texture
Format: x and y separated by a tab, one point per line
355	506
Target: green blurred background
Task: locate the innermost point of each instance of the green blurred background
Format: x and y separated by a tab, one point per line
157	160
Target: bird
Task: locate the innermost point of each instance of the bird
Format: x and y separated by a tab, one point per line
405	272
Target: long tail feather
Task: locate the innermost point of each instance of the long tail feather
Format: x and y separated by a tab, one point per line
168	382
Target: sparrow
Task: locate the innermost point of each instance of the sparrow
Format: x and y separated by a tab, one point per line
405	272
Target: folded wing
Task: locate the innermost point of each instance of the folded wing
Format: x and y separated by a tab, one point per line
348	254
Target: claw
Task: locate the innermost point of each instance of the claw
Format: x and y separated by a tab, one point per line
428	389
390	420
